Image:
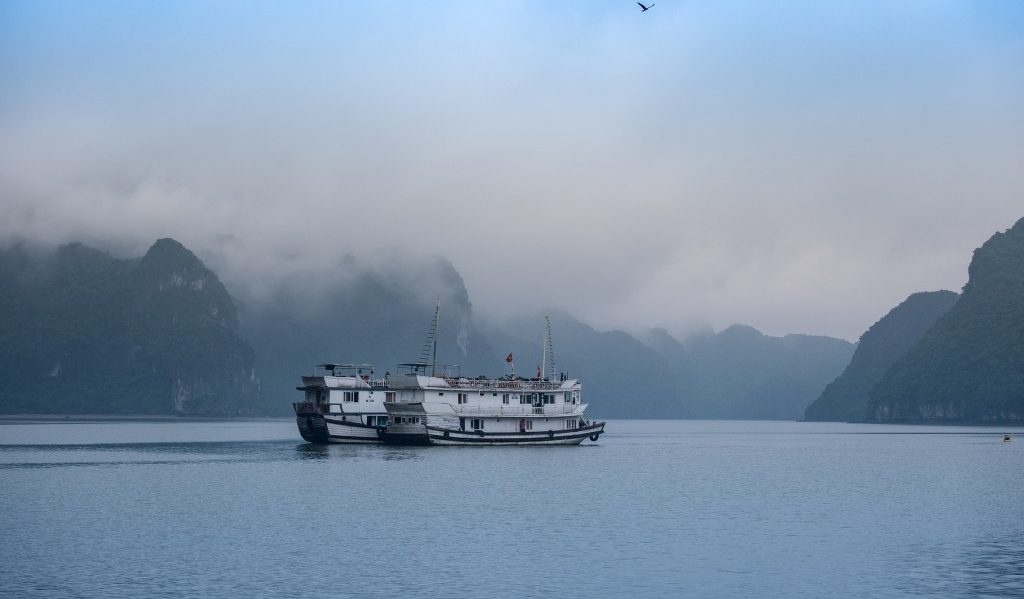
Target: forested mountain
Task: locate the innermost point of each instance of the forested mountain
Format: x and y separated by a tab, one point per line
159	335
84	332
846	398
968	367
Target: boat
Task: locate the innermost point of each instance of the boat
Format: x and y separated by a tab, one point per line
440	409
343	403
432	404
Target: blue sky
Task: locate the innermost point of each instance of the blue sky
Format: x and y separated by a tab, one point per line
797	166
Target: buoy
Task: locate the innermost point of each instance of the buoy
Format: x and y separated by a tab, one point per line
595	436
1007	438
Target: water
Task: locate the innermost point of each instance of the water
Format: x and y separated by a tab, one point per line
655	509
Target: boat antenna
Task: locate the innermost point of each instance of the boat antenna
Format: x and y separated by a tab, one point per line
548	360
430	345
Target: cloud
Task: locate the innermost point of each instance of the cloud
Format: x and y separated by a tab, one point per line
798	168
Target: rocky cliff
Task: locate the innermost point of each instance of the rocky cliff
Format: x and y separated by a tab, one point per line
846	398
969	366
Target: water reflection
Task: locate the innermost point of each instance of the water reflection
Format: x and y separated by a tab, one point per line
991	567
310	451
395	454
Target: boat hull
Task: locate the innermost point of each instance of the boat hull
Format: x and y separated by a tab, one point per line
442	436
317	428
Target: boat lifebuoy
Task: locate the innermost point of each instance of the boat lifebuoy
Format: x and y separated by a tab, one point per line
595	436
380	431
481	433
551	434
446	434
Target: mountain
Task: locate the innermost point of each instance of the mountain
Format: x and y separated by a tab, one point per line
361	313
969	366
85	332
622	377
846	398
743	374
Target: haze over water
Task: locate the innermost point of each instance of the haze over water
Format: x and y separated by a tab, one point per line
655	509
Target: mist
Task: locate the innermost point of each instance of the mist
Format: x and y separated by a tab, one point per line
799	169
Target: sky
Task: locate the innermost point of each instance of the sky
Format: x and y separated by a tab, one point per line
801	167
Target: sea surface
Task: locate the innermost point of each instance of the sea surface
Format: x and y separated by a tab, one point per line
236	508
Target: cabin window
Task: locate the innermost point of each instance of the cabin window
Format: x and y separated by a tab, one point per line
463	397
440	393
524	399
477	424
389	397
351	396
529	425
481	393
549	398
504	398
494	394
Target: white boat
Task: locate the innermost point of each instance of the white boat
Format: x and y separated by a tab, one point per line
344	403
511	410
434	405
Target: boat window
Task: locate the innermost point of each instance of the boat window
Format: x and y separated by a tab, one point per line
389	397
463	397
477	424
504	398
351	396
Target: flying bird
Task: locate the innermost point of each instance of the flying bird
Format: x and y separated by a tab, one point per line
645	8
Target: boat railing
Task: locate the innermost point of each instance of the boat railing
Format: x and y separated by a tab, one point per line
552	410
503	384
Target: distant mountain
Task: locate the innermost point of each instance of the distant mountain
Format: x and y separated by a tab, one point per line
161	335
738	373
88	333
846	398
622	377
969	366
743	374
361	313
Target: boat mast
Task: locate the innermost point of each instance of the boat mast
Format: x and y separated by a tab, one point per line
430	345
549	351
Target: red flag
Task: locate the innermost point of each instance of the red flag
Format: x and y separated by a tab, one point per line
508	358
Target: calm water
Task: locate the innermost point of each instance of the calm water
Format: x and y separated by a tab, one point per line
655	509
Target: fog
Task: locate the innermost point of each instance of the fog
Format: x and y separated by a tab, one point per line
799	169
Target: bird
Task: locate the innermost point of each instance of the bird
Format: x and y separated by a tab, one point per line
645	8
